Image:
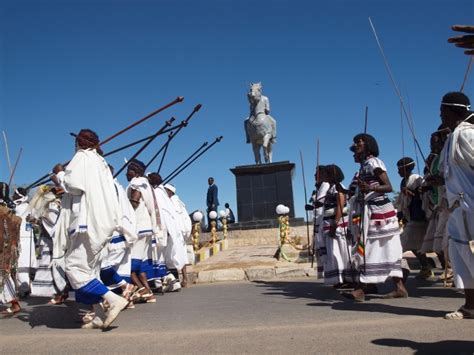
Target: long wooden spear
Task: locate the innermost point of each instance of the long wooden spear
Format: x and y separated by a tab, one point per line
187	160
217	140
306	201
397	90
175	101
14	167
7	152
466	74
167	124
183	124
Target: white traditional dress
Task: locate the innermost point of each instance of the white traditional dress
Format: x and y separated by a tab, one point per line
43	284
458	170
27	255
378	251
337	264
318	237
415	230
172	253
147	227
90	213
116	262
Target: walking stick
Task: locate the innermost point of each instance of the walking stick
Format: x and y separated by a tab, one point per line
168	179
397	90
7	152
188	159
167	124
171	136
175	101
310	254
14	167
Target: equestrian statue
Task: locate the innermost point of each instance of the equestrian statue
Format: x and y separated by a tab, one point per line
260	127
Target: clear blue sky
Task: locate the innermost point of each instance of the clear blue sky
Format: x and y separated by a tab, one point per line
102	64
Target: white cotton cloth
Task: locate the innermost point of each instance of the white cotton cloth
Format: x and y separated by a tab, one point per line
27	255
148	217
458	169
94	206
457	164
183	217
129	221
174	253
92	214
413	182
461	230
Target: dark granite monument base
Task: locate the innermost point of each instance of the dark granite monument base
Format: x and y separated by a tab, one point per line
260	188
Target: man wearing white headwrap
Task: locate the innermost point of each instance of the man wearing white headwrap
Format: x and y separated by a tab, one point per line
457	165
91	212
173	256
148	219
185	226
27	256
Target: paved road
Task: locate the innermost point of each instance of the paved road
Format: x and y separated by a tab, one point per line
297	316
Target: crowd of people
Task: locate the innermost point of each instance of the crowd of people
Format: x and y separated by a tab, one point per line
113	246
360	236
117	246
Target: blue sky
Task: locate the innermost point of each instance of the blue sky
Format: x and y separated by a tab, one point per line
102	64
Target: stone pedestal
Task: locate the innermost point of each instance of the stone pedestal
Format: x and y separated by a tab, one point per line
260	188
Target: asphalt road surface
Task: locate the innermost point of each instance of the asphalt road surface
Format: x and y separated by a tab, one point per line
294	316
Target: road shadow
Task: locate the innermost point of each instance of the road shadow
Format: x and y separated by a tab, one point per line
327	296
372	307
445	346
299	289
37	312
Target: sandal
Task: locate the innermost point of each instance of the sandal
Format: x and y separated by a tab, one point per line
150	299
461	313
135	296
9	312
88	317
129	291
59	299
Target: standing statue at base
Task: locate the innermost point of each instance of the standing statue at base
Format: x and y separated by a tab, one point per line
260	127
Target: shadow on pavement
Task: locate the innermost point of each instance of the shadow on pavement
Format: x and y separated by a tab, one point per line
445	346
382	308
37	312
330	297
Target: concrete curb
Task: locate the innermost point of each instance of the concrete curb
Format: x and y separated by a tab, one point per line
263	273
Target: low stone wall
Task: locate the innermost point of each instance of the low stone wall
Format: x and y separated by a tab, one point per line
267	236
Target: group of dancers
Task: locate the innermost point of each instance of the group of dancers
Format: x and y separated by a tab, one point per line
360	235
113	246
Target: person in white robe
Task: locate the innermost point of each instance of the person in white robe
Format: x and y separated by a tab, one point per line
116	263
319	246
148	226
185	226
45	209
409	205
91	212
27	255
457	165
171	254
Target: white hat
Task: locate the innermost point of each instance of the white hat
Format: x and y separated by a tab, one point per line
170	187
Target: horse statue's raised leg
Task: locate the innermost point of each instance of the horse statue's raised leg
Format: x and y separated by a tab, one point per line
256	152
